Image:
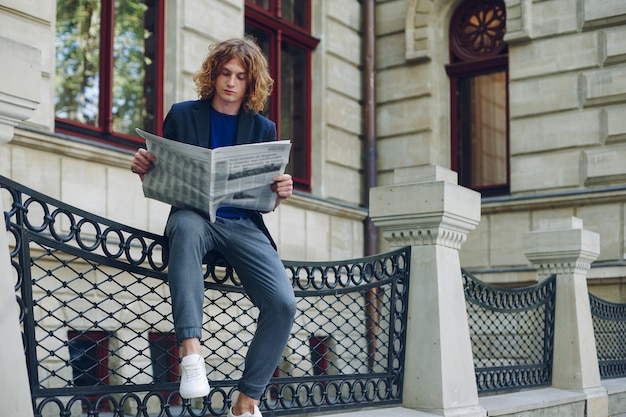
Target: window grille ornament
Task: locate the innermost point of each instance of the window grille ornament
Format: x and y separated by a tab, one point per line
478	28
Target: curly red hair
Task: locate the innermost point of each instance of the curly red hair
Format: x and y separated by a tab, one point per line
260	83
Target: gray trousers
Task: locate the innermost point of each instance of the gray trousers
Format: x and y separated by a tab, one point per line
261	272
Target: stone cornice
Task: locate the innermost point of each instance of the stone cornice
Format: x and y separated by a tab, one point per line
312	203
62	145
555	200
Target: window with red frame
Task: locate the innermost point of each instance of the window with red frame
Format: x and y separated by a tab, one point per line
282	28
89	357
109	66
165	364
478	72
320	351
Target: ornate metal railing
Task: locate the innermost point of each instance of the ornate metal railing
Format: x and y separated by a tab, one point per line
609	327
97	323
512	333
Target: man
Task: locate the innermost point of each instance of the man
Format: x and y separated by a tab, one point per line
233	85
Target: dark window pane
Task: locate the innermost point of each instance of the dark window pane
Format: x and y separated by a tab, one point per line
261	3
84	360
319	354
294	106
164	354
160	361
77	89
88	358
262	39
295	11
128	66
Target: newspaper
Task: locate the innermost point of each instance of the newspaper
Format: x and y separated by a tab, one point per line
192	177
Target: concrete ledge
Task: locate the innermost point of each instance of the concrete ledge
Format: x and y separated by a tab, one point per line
382	412
616	388
527	400
534	402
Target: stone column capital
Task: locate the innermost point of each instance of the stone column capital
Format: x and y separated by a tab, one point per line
432	210
562	246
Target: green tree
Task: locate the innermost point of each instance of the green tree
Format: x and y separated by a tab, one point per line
79	40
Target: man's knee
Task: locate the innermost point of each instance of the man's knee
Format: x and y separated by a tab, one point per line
286	307
185	222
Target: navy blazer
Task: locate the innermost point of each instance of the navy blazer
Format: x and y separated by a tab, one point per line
190	122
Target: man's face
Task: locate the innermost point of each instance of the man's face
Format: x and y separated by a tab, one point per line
231	85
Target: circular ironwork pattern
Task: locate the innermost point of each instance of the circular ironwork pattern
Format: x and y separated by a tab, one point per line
507	299
351	273
493	380
478	28
65	224
79	273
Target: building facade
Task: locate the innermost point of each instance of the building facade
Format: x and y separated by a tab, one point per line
553	73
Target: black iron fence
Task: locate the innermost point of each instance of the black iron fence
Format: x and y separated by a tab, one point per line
609	326
512	334
97	325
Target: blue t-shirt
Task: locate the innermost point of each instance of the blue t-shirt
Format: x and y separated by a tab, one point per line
223	131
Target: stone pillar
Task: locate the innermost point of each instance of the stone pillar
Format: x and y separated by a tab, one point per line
20	90
564	248
427	210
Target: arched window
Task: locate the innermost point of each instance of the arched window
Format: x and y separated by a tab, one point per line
479	77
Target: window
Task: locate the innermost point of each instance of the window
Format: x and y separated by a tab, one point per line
109	65
283	30
320	354
165	365
478	72
89	357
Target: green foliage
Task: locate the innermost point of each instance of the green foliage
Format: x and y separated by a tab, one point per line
79	44
77	60
128	66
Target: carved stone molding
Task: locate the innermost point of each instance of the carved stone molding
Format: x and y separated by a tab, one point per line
574	267
417	30
518	20
426	236
20	85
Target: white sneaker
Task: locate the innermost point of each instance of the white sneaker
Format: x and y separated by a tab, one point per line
257	413
193	380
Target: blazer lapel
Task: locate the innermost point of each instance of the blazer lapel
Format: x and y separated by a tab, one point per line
202	122
244	127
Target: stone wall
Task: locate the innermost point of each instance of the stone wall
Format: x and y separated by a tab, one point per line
567	64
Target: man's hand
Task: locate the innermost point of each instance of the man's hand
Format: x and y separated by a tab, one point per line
283	187
143	162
